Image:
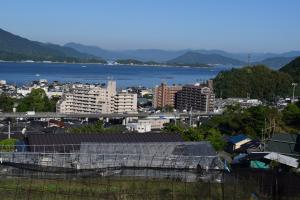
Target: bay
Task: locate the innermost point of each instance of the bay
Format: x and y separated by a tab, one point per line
125	75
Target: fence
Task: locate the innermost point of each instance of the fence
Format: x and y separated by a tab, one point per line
238	185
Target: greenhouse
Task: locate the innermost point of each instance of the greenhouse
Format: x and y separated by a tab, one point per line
159	159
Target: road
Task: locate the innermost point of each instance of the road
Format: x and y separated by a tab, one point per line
99	115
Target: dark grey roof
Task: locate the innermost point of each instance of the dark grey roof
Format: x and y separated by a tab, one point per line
284	143
159	154
195	149
77	139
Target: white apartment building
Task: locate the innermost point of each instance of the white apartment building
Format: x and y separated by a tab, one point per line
88	99
125	103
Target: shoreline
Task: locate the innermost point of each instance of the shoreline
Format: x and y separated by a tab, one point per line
133	65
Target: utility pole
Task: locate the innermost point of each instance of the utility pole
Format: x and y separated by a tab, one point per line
8	129
249	57
191	116
263	139
294	86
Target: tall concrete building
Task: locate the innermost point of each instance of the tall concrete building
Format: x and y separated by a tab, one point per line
125	102
164	95
198	97
89	99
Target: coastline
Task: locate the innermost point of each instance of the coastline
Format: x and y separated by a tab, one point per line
133	65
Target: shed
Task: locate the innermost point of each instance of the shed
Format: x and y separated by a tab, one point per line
235	142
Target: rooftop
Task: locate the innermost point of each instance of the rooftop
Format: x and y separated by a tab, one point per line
237	138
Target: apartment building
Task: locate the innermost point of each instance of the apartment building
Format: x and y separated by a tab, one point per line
124	102
197	97
165	95
82	98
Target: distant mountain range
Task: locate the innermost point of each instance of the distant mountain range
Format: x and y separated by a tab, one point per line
272	60
16	48
275	62
143	55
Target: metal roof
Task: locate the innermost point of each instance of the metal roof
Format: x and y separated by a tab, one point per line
237	138
74	140
193	156
284	143
286	160
177	155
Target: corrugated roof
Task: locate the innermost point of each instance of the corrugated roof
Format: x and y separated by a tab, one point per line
77	139
158	149
287	160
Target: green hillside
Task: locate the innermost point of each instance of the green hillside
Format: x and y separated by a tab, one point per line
293	69
258	82
16	48
199	58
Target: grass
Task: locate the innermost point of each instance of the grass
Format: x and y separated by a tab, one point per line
103	188
120	188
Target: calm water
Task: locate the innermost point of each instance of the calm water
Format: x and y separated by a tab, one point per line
24	73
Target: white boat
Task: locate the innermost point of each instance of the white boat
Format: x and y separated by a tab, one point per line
83	66
37	75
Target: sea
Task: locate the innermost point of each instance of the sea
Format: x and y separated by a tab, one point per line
125	75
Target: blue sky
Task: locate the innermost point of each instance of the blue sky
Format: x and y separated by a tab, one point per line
232	25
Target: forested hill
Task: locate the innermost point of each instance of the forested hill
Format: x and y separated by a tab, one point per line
258	81
16	48
293	69
199	58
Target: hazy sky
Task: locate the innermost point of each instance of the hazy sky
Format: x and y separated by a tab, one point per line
232	25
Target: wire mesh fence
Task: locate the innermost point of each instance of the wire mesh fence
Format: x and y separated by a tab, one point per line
239	185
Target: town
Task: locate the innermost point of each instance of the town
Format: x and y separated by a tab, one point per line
130	100
49	119
66	108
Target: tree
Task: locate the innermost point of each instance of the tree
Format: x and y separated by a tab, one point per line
216	139
6	103
291	115
249	121
98	127
53	101
259	82
37	101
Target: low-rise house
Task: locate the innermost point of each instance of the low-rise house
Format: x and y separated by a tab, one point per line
249	147
156	124
139	127
235	142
